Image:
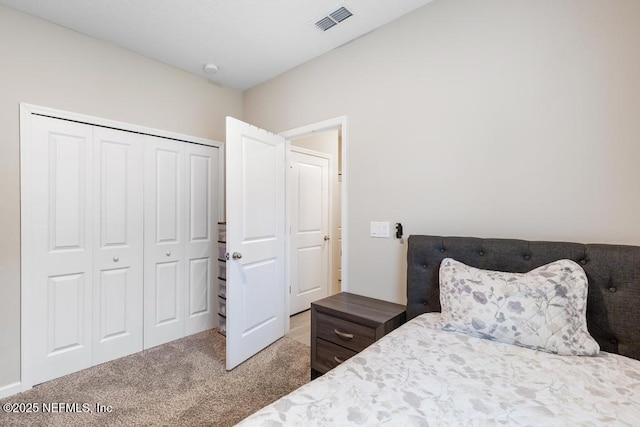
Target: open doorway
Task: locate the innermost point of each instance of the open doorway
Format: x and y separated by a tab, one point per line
329	137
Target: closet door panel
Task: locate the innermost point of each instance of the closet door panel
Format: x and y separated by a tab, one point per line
65	312
201	246
168	180
165	225
167	287
200	291
118	254
113	288
58	245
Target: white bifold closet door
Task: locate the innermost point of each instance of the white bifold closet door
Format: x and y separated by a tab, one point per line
118	248
86	214
164	241
181	193
201	247
120	243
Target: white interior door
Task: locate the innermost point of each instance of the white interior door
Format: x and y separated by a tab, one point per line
118	244
255	214
59	245
164	246
309	184
201	245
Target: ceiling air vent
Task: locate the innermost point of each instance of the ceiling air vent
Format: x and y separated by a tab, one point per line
340	14
325	23
333	19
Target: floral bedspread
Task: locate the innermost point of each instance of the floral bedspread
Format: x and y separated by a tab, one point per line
421	375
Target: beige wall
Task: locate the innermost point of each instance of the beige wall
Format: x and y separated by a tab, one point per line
47	65
495	118
327	142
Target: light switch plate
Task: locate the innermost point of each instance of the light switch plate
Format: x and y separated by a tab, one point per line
379	229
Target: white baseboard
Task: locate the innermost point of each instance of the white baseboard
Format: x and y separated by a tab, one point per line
10	389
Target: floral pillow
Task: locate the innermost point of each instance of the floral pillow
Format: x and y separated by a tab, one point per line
544	309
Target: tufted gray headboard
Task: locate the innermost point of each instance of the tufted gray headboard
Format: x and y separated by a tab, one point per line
613	271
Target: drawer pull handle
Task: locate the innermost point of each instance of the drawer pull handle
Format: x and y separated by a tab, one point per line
343	334
337	359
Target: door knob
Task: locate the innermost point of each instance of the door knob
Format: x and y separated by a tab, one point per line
116	259
327	238
168	254
236	255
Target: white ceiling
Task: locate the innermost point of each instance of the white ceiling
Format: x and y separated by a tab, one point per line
250	41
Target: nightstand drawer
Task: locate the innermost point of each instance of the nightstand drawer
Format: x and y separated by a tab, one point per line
344	324
329	355
344	333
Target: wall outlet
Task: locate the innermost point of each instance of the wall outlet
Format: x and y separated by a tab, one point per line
379	229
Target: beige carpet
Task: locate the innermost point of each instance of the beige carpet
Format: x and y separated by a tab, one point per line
183	383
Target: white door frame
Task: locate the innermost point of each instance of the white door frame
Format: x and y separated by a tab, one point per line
329	124
27	111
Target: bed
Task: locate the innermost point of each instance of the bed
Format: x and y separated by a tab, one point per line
433	371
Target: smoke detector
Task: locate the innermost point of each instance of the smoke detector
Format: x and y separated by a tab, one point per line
210	68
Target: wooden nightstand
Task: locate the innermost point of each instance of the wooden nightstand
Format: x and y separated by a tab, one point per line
344	324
